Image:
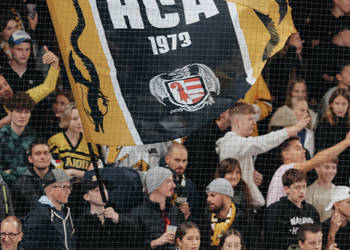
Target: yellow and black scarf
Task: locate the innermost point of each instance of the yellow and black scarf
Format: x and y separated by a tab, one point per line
219	226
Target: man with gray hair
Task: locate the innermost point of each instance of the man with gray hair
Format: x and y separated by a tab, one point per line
49	225
155	220
222	214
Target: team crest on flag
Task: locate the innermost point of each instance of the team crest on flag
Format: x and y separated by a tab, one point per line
186	89
144	72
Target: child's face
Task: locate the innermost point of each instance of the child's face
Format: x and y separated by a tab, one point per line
233	177
327	172
296	192
20	118
299	89
340	106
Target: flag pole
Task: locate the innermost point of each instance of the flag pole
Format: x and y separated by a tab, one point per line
97	173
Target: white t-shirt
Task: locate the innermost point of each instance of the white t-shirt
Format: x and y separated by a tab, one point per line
276	190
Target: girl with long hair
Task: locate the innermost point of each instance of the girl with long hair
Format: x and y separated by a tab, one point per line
334	127
187	236
230	169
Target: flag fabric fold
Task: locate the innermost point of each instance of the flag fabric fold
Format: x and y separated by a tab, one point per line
146	71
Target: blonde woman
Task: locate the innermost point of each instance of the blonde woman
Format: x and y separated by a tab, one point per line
70	147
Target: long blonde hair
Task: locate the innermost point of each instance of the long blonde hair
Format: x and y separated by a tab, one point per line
67	115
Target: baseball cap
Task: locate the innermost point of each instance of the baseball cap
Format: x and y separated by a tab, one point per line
89	184
221	186
340	193
55	176
19	37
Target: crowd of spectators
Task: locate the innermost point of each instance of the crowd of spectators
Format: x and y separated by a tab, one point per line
223	187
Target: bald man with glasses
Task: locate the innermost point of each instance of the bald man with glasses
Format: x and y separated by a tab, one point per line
49	225
11	233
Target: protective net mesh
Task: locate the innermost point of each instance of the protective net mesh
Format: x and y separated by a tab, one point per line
239	111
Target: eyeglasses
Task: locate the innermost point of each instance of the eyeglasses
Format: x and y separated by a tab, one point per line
65	188
10	235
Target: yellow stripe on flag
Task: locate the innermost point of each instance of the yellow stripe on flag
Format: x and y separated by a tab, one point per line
256	34
62	12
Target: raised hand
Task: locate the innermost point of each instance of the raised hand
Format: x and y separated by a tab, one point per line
50	58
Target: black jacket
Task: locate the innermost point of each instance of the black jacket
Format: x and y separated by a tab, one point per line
124	187
26	192
327	136
149	223
282	221
92	234
342	237
201	166
190	192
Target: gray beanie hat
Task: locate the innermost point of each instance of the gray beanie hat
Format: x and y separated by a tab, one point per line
221	186
155	177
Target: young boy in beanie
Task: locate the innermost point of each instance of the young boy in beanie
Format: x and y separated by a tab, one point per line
98	222
153	220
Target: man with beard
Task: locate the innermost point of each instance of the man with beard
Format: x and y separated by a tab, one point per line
186	195
222	214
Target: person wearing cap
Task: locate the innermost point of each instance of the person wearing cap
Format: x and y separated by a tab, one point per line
186	194
19	72
27	189
155	219
22	76
98	222
283	219
337	228
222	214
293	156
49	224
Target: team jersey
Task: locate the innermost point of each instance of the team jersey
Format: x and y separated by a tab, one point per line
77	157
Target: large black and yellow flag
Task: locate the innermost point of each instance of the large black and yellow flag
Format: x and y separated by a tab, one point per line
144	71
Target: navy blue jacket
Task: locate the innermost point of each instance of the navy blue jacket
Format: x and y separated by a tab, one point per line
124	187
47	228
